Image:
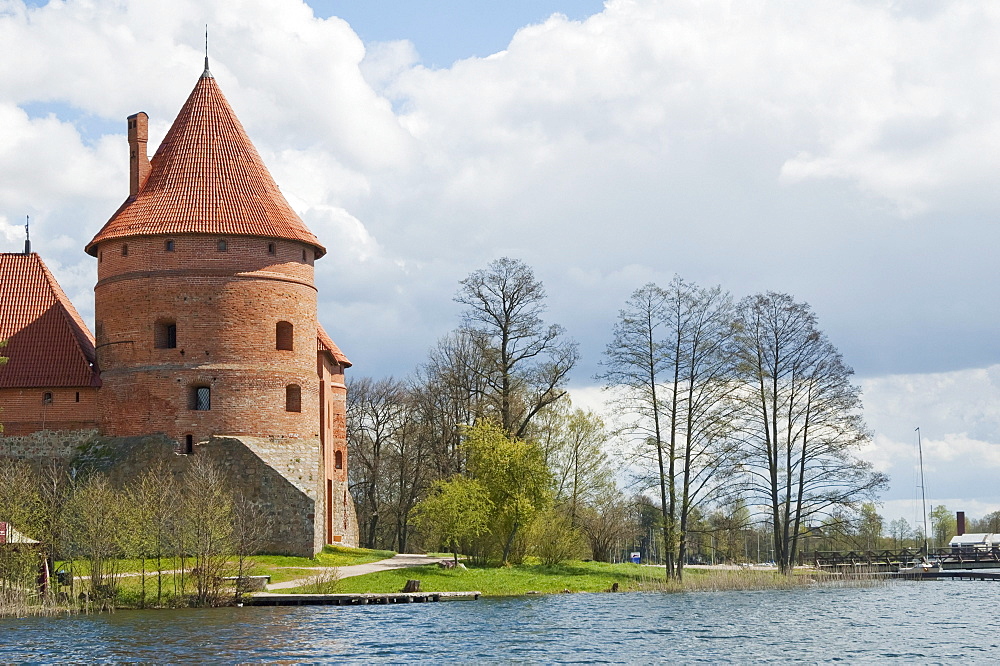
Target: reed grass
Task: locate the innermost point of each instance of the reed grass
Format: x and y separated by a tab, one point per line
747	580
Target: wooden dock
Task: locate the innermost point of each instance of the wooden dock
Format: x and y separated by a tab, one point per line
950	575
271	599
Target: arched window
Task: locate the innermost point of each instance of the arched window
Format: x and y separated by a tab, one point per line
222	245
165	334
293	398
284	336
338	460
201	398
47	398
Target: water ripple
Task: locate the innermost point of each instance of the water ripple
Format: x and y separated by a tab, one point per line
928	622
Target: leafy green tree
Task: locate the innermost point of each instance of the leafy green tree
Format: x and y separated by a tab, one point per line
555	538
455	511
942	525
989	523
572	443
513	473
900	532
870	525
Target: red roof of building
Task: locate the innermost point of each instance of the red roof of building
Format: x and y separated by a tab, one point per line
325	343
47	342
207	177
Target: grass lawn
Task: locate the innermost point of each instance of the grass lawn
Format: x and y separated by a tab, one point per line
574	576
331	556
275	565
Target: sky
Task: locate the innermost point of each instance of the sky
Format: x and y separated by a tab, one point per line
845	153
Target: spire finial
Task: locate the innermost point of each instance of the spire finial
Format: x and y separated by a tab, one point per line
27	234
206	72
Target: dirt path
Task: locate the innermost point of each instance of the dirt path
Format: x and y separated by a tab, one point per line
401	561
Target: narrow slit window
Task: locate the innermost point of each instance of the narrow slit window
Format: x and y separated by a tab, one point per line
188	444
284	336
338	460
169	246
125	250
78	396
271	249
293	398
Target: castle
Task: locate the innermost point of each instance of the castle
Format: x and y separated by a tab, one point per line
207	335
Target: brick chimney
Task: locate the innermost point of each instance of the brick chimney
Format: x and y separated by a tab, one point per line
960	522
138	162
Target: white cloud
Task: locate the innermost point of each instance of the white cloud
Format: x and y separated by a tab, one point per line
843	152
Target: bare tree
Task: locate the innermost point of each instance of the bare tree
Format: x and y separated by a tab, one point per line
801	420
524	362
207	506
636	367
608	521
375	413
98	527
251	529
448	394
669	368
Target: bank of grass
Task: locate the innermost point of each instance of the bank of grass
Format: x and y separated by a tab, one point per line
129	579
277	566
576	576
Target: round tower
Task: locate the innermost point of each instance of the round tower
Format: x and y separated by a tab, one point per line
205	303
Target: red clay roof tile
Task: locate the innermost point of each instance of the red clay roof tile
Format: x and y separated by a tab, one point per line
207	177
325	343
47	342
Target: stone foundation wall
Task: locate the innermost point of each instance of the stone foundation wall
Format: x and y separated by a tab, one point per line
47	444
281	477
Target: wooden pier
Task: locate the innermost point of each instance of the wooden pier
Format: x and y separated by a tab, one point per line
891	560
950	575
270	599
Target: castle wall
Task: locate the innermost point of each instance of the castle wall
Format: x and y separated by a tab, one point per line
278	476
46	444
26	410
341	523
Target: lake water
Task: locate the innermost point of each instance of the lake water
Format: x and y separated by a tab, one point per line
905	622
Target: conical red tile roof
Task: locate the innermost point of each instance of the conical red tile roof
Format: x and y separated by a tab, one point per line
47	342
207	177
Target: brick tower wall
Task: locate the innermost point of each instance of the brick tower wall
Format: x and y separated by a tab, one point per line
225	305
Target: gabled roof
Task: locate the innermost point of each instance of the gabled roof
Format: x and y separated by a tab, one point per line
207	177
47	342
324	343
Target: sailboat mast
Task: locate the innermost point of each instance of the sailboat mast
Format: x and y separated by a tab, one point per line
923	492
